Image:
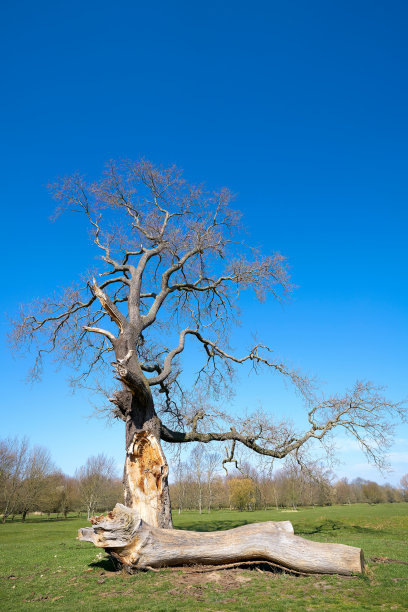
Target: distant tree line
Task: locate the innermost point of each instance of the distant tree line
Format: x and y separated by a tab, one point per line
30	482
199	485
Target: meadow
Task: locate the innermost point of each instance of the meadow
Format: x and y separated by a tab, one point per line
43	566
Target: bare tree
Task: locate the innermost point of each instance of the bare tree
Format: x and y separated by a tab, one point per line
172	269
212	462
68	497
374	493
179	488
197	462
13	461
38	469
95	480
54	497
404	486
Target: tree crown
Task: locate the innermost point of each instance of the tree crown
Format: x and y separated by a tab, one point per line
172	265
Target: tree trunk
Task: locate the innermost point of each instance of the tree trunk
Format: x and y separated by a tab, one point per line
200	497
145	479
146	470
136	545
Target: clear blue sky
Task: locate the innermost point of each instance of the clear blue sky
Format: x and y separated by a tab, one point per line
299	107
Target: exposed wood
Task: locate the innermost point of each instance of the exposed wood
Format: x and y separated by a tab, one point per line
137	545
146	473
106	303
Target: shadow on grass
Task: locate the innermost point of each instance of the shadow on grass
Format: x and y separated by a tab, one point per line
37	520
105	564
329	526
212	525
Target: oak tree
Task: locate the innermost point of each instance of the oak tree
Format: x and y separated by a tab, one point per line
172	268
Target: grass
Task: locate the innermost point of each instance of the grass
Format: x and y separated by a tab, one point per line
43	566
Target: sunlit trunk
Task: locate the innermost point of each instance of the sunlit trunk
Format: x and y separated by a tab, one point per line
146	470
145	480
145	473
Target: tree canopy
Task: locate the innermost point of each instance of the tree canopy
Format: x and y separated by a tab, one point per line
173	263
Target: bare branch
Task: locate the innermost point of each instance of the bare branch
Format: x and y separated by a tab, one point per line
110	307
98	330
213	351
172	261
362	412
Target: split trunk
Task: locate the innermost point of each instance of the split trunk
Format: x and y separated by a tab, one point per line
145	476
146	471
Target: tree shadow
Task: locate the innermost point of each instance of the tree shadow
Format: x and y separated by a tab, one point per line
105	564
329	525
212	525
38	520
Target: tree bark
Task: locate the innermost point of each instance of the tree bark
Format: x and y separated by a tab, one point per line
145	476
137	545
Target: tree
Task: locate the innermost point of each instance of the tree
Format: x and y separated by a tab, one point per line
242	493
373	493
203	469
13	459
95	480
48	499
343	492
211	465
391	493
179	488
68	495
38	469
404	486
172	269
197	459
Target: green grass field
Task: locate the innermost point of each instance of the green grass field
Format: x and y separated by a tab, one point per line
43	566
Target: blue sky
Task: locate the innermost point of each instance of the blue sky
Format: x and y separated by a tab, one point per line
299	108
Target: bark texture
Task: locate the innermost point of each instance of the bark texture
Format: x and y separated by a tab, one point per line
146	488
135	545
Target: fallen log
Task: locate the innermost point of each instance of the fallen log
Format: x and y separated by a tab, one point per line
136	545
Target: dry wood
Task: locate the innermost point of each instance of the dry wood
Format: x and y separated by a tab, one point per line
146	474
137	545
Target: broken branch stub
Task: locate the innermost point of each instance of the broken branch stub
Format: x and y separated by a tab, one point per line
136	545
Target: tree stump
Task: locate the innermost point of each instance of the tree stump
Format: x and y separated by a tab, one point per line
136	545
